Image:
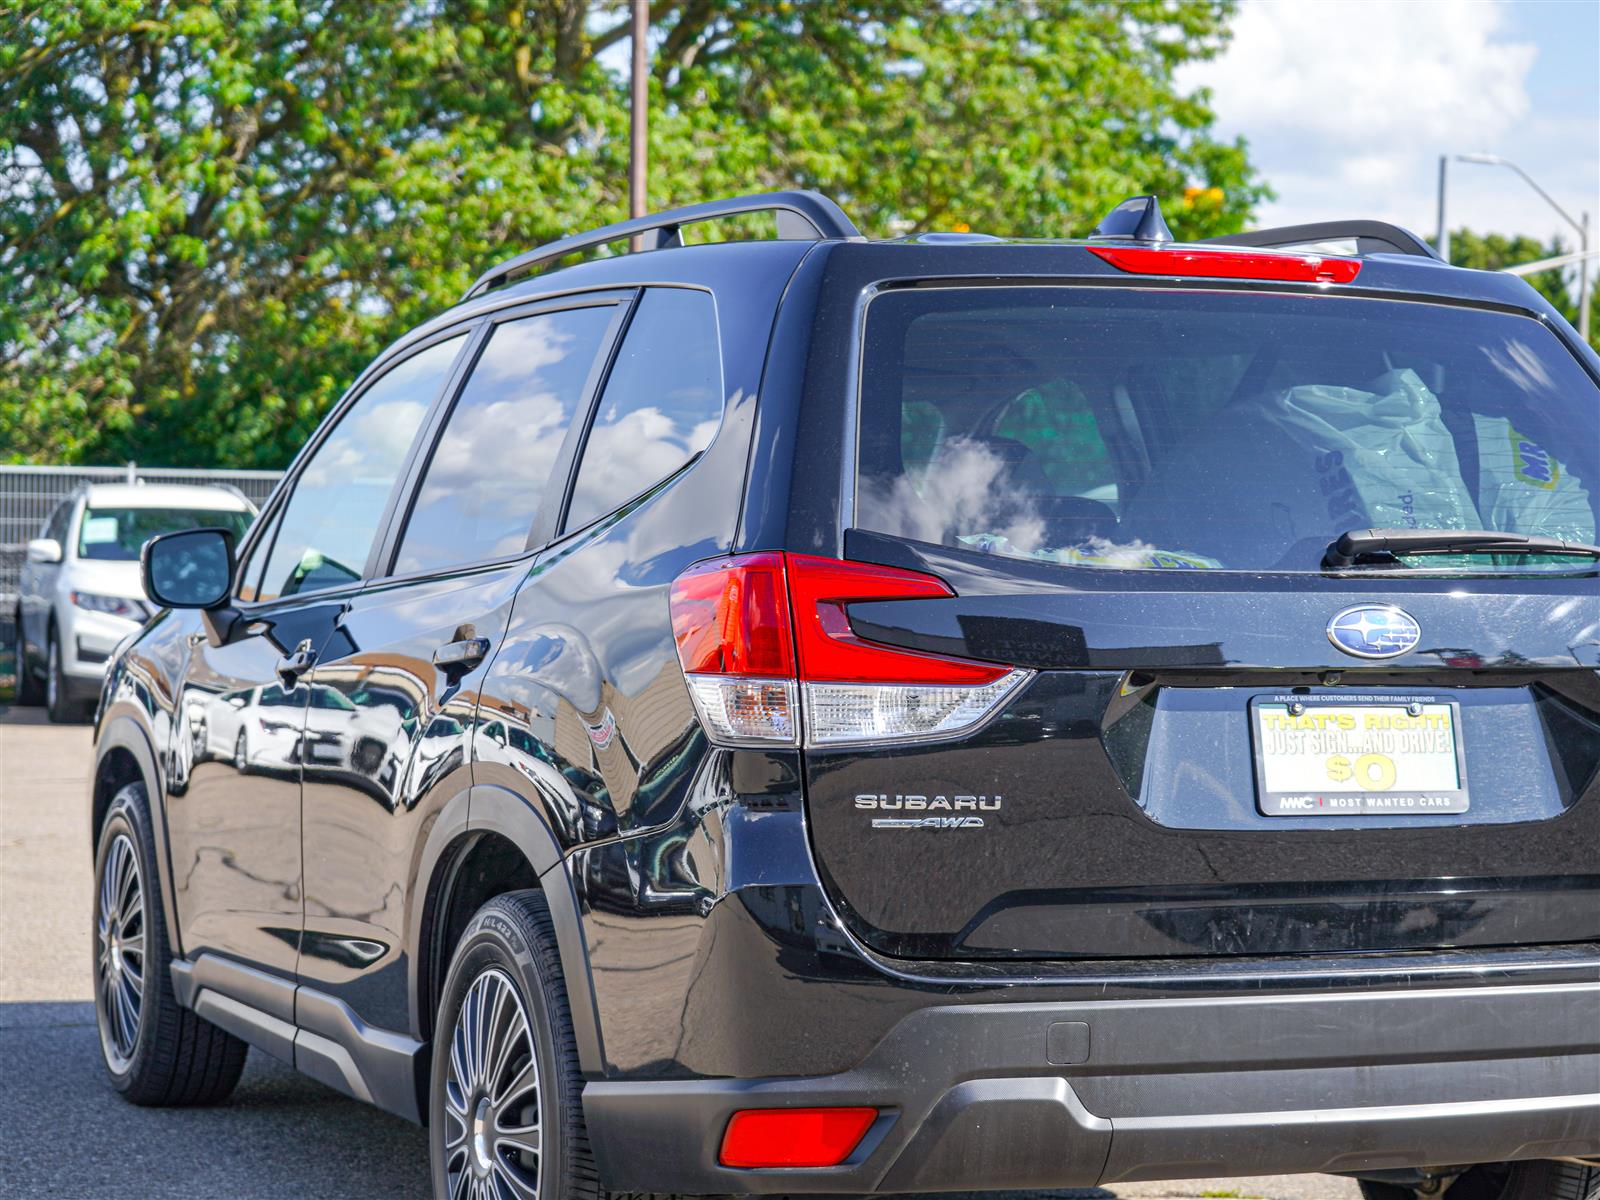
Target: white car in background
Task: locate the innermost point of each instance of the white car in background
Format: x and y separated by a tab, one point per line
80	594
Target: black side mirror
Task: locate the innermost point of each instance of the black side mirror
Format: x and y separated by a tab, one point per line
189	569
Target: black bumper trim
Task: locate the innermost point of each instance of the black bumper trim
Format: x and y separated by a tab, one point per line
1168	1089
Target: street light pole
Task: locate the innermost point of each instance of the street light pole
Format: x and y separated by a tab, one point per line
639	115
1584	287
1442	242
1494	160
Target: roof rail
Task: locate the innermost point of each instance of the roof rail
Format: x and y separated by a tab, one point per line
802	216
1371	237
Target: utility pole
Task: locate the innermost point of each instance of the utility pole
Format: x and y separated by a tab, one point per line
639	115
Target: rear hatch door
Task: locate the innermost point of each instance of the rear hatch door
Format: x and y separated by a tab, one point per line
1222	747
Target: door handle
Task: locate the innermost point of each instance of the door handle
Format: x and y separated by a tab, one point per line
456	658
292	666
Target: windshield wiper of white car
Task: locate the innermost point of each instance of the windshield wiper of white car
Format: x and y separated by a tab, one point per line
1386	547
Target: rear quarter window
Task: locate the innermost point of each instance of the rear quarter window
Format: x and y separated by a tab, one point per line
661	406
1214	430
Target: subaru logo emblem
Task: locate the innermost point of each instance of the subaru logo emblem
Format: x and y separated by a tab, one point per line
1374	631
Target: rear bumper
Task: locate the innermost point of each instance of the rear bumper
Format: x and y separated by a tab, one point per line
999	1096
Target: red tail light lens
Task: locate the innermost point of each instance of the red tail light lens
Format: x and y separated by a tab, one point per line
794	1137
830	651
1229	264
756	630
731	617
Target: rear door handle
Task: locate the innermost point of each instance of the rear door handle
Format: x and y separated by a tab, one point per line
456	658
292	666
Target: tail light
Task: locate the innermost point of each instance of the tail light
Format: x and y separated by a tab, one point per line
770	656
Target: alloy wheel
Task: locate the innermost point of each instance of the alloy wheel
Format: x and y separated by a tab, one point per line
120	951
492	1135
52	679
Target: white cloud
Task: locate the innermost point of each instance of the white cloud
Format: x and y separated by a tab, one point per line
1379	72
1348	105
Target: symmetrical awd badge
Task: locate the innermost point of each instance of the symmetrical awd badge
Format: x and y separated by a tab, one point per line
934	812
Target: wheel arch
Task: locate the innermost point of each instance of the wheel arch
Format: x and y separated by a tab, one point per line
487	841
123	755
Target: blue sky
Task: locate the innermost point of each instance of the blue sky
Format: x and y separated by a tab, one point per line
1347	105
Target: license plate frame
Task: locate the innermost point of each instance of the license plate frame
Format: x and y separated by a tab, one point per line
1348	797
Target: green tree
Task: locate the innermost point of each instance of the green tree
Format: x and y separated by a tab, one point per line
1495	251
213	213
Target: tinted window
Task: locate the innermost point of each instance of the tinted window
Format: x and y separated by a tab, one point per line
56	526
330	521
1189	430
117	534
661	406
491	466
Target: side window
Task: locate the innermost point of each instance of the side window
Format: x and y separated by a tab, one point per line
331	519
56	526
250	573
661	406
490	469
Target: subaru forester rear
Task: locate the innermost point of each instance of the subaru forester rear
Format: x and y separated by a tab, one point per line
1191	680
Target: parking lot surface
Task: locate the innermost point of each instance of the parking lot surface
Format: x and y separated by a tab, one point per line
64	1134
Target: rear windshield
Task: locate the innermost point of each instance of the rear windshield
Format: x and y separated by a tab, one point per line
116	534
1211	430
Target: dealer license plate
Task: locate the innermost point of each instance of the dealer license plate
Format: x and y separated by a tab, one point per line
1343	756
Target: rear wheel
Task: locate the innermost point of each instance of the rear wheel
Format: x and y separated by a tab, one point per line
505	1109
155	1052
1540	1179
29	689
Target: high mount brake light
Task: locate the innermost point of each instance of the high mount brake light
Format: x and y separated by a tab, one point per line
1206	263
755	630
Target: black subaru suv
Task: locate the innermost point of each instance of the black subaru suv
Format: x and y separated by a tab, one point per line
824	715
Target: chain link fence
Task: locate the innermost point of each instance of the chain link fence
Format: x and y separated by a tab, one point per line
29	494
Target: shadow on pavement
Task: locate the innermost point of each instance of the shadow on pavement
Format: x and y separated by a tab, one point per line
67	1134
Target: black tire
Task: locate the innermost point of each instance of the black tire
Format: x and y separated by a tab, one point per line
59	704
172	1057
30	690
512	937
241	753
1536	1179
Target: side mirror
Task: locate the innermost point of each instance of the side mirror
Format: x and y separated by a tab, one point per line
189	569
44	550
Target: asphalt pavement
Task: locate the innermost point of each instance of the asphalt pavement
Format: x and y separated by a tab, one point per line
64	1133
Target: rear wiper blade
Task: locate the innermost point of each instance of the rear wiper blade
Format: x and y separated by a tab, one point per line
1353	547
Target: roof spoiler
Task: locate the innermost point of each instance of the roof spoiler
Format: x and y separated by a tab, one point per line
1370	237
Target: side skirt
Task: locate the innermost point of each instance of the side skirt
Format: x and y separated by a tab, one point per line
313	1032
